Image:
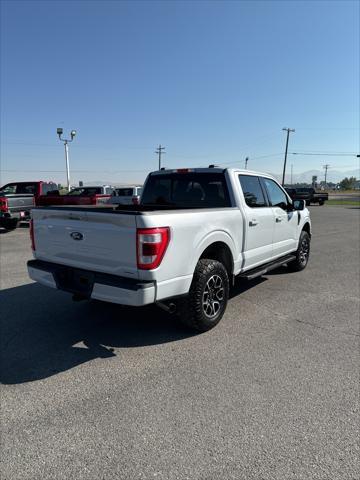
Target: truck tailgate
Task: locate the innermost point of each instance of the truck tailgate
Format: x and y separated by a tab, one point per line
91	240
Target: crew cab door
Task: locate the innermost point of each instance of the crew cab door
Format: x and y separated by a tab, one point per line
286	220
259	222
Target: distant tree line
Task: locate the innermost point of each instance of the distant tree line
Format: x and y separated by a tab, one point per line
348	183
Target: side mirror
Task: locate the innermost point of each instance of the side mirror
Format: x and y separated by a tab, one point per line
299	204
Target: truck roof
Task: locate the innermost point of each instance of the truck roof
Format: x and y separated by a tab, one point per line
211	170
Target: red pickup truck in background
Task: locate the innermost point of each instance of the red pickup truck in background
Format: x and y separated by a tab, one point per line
17	199
93	195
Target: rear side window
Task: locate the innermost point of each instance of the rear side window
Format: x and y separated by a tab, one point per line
198	190
252	190
124	192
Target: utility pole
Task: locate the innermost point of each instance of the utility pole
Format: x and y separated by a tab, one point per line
59	131
159	151
291	174
246	162
326	167
288	130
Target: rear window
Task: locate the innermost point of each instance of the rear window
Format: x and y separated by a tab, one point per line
124	192
85	191
19	188
200	190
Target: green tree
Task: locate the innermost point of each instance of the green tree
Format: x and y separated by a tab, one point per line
348	183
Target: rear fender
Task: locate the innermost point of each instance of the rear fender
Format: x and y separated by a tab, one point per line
208	240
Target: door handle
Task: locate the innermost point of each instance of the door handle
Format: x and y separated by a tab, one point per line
253	223
278	219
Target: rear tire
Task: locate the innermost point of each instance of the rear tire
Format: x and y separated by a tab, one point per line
321	202
10	224
302	253
205	305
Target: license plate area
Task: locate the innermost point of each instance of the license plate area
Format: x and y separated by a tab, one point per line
75	281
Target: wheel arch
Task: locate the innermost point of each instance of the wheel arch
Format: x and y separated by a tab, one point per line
306	228
221	252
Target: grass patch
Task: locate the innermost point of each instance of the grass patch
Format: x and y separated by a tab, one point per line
343	202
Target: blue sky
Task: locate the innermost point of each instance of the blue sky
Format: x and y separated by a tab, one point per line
213	81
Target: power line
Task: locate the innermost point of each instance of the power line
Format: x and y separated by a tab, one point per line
75	171
325	154
252	158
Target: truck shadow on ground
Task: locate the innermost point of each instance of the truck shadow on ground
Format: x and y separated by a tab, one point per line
43	332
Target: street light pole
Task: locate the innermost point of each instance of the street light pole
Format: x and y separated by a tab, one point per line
67	165
288	130
59	131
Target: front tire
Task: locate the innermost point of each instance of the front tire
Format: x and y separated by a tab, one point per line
205	305
302	253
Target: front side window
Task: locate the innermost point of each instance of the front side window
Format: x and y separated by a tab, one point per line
277	196
252	190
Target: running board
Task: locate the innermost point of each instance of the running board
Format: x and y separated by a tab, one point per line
263	269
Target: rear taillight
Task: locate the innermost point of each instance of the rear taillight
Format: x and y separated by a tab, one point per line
135	200
32	236
151	246
4	206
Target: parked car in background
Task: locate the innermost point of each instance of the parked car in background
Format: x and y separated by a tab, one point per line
18	198
309	194
88	195
126	195
181	248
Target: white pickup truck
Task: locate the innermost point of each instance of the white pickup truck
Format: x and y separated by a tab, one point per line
194	231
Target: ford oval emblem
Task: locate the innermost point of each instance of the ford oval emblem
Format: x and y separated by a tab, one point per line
76	236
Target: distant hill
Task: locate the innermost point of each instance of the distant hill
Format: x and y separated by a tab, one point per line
334	176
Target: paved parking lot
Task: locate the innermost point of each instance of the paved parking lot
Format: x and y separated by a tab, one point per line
103	392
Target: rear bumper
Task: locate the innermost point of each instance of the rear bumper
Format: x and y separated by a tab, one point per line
4	217
89	284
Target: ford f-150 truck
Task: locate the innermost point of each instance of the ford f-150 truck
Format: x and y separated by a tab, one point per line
194	231
18	198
